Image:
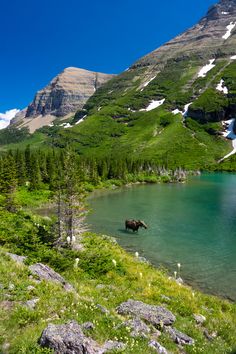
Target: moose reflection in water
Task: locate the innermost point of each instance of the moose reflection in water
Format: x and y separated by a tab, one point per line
134	225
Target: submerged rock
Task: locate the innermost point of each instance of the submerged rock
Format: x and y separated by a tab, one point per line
46	273
156	315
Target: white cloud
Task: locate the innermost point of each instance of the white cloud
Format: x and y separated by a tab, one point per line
6	117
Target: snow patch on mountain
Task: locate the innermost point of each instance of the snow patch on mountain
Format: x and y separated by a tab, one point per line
229	134
81	120
66	125
229	28
153	105
184	112
186	107
224	13
206	68
222	88
148	82
177	111
6	117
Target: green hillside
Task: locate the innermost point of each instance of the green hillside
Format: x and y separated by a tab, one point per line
115	126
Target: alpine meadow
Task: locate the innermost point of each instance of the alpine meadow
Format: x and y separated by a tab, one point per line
112	189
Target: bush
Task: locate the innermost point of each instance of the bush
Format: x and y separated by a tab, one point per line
166	120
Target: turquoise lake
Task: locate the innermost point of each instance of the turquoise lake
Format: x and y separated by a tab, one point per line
193	224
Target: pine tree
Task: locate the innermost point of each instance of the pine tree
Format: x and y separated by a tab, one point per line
34	173
8	181
20	167
71	211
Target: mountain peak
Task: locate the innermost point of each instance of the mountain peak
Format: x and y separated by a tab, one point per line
203	40
63	96
66	93
221	9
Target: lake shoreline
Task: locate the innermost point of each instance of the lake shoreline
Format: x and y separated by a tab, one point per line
136	244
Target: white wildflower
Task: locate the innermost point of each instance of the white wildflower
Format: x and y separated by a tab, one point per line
68	239
175	274
114	262
76	262
141	275
73	239
136	254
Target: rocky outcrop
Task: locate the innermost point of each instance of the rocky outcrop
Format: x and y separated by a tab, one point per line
70	339
203	40
155	315
63	96
44	272
204	117
16	258
66	93
158	347
137	328
179	337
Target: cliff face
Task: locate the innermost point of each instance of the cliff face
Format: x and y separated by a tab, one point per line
207	37
182	70
66	93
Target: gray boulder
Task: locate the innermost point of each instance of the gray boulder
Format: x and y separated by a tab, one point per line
138	328
112	345
88	326
179	337
68	339
16	258
158	347
156	315
31	304
103	309
46	273
200	319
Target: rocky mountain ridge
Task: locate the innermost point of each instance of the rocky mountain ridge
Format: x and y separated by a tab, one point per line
190	82
63	96
172	105
206	37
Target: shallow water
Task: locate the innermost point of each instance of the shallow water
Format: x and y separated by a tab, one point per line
193	224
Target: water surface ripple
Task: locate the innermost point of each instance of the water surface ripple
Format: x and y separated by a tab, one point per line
192	223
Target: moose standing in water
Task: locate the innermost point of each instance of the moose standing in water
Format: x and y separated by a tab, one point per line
134	225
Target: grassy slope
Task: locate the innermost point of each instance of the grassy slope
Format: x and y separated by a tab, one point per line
145	137
21	327
37	140
115	127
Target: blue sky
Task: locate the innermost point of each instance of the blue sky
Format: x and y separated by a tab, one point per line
40	38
